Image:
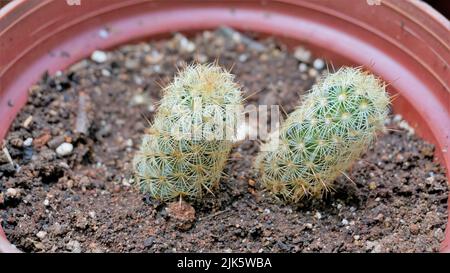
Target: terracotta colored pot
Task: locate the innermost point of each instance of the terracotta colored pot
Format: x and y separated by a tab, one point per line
407	43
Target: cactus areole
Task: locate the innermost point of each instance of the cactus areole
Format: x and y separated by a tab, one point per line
188	144
333	126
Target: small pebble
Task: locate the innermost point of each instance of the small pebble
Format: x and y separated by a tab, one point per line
41	234
302	67
185	44
302	54
344	222
103	33
243	58
356	237
12	193
318	64
397	118
106	73
201	58
414	229
125	182
318	215
92	214
313	73
74	246
64	149
28	142
27	121
99	56
46	202
308	225
16	142
439	234
149	241
129	142
55	142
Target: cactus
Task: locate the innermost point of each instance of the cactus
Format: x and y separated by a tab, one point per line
336	122
185	151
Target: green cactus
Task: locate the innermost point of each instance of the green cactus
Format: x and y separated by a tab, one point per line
321	139
186	149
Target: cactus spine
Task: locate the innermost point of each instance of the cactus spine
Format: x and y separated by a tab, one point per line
334	125
183	154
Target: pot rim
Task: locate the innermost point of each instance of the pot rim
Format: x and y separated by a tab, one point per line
429	111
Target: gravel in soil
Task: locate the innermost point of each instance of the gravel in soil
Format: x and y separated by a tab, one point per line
70	187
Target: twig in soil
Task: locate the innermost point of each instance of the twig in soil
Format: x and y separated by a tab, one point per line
235	35
9	158
370	163
84	106
215	214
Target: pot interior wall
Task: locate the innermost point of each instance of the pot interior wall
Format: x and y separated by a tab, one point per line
55	35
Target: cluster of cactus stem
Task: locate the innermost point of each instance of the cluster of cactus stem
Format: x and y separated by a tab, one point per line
321	139
186	148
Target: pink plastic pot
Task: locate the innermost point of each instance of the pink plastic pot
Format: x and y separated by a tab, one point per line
407	43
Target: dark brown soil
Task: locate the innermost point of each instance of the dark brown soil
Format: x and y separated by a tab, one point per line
83	202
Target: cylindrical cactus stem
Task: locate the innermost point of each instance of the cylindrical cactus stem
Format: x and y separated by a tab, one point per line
321	139
186	149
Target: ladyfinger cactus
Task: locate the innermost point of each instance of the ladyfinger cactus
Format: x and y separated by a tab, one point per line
334	125
186	148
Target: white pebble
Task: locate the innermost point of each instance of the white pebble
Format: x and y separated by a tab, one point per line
46	202
318	64
243	58
64	149
339	206
106	73
302	67
11	192
186	45
92	214
74	246
41	234
103	33
318	215
398	118
309	225
125	182
28	142
344	222
356	237
99	56
302	54
266	211
129	142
